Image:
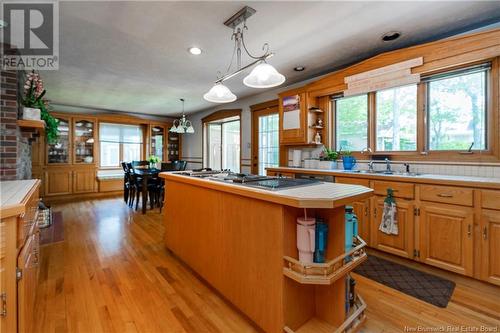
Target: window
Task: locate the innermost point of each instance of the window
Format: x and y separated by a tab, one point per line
396	114
119	143
268	140
351	123
222	141
456	110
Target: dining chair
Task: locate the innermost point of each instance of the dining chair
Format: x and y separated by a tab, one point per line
167	166
180	165
126	181
139	163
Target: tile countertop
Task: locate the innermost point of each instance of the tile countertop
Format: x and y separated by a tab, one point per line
468	181
13	196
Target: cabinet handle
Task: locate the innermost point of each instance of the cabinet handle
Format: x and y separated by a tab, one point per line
366	211
469	230
445	195
485	233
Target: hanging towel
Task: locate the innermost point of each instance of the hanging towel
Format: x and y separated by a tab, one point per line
389	223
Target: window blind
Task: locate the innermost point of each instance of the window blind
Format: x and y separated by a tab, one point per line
119	133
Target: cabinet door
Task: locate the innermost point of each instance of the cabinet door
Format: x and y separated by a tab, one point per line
58	181
26	286
362	211
84	181
446	234
157	141
401	244
84	140
59	152
293	118
490	247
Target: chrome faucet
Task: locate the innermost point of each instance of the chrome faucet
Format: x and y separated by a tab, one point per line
388	164
407	167
370	166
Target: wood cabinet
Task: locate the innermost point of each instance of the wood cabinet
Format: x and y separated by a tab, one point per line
293	117
84	181
446	237
28	263
58	181
490	246
84	140
401	244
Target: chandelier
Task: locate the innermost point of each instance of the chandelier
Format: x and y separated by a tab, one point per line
262	76
182	125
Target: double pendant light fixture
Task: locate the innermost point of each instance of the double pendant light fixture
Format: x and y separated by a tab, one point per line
182	125
262	76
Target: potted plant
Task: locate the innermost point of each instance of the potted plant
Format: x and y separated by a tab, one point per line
154	162
348	160
328	159
36	107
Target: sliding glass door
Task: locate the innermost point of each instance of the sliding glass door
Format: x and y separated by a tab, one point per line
223	145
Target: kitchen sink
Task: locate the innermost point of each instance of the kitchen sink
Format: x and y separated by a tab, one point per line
384	172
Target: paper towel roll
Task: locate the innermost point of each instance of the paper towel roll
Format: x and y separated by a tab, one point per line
297	158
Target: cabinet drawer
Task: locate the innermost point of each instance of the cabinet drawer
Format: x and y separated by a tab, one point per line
27	220
490	199
401	190
353	181
447	194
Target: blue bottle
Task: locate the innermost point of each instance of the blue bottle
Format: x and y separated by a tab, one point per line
351	227
320	240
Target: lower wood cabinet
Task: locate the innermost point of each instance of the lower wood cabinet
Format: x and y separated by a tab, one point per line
401	244
58	181
362	211
84	181
490	246
446	237
28	266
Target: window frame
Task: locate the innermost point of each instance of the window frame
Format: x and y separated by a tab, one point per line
333	102
142	149
490	154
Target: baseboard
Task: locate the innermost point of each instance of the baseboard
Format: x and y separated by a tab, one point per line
80	196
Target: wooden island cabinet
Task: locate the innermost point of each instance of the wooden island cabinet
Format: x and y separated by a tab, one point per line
19	254
242	241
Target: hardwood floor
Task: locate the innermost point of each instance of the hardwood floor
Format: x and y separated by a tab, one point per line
112	273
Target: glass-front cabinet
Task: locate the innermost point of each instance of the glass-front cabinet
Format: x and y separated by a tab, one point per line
173	146
59	152
84	140
158	139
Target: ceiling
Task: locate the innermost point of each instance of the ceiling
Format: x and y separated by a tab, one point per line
132	56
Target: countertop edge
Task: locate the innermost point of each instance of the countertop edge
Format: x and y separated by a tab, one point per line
20	207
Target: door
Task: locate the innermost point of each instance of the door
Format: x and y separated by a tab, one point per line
84	181
58	181
265	140
26	286
401	244
223	145
490	246
446	234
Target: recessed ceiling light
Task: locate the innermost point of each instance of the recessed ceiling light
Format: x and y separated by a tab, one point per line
195	50
299	68
390	36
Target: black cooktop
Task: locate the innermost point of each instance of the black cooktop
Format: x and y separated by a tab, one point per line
272	183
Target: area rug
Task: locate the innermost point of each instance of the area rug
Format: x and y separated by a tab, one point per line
426	287
55	232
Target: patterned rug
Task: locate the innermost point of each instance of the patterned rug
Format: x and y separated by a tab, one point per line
54	233
426	287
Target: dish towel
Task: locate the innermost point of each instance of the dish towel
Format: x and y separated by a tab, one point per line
389	223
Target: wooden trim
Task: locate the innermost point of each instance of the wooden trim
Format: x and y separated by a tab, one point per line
265	105
221	114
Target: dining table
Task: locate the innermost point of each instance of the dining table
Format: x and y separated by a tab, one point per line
145	174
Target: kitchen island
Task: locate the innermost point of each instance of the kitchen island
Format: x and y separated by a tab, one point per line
242	241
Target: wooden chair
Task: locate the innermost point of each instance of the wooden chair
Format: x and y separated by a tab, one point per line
126	181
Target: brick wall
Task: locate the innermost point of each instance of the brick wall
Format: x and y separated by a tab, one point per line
9	131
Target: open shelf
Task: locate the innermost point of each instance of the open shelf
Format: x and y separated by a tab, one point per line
315	110
24	123
355	318
325	273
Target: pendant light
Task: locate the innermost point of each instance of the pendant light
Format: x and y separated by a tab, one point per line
182	125
262	76
219	93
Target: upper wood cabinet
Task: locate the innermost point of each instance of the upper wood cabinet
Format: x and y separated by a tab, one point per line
293	117
84	140
59	152
446	237
490	246
158	141
401	244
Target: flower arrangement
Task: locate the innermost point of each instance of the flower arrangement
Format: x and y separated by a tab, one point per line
328	155
34	98
153	160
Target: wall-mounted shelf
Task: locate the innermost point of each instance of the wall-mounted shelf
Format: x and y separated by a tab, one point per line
315	110
356	317
325	273
316	127
37	124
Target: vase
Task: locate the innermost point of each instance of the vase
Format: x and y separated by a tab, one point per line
31	113
349	162
327	165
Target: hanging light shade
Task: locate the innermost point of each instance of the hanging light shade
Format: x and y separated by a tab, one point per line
264	76
219	93
182	125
